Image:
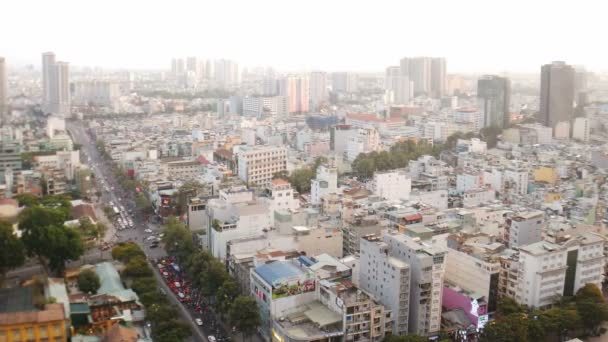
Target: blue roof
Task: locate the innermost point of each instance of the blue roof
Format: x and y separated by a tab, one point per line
109	278
274	272
306	261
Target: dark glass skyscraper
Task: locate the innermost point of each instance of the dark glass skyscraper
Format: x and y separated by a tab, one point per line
493	96
556	93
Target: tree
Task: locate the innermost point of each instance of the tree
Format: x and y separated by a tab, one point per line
178	239
45	237
507	306
126	251
244	315
590	292
137	267
214	277
592	307
226	295
300	179
143	203
143	285
12	251
559	319
513	327
88	281
170	331
27	200
65	245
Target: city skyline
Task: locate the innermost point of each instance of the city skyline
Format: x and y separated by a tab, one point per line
339	36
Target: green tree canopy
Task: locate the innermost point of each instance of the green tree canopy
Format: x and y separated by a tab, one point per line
244	315
12	251
178	239
126	251
137	267
88	281
45	236
226	294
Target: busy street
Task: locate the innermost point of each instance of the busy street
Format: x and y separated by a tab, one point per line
126	223
192	299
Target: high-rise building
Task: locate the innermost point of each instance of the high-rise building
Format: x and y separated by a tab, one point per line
226	73
438	77
387	278
297	89
318	89
493	96
398	86
56	85
419	71
177	66
416	297
48	63
3	90
556	93
427	74
258	164
344	82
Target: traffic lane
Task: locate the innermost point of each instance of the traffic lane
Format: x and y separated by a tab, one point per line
185	315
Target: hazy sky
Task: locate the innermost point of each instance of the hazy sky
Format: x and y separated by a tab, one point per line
476	36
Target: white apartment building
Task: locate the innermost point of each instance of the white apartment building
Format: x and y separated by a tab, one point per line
436	198
66	161
476	197
96	92
516	179
468	180
473	145
259	106
392	185
387	278
257	164
325	182
426	264
281	197
362	140
524	228
542	274
581	129
318	89
474	273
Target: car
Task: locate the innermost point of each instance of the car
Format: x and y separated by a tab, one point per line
150	238
211	338
198	321
153	246
148	230
181	295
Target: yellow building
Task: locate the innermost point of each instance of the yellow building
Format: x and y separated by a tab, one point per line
545	174
551	197
48	324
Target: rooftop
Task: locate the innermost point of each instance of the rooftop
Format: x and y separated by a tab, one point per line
274	272
17	299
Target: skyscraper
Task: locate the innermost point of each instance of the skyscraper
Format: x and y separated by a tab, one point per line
427	74
3	89
438	77
48	63
493	96
318	88
226	73
297	89
397	85
556	93
56	85
344	82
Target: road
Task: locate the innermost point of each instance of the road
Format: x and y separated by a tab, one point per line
103	175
